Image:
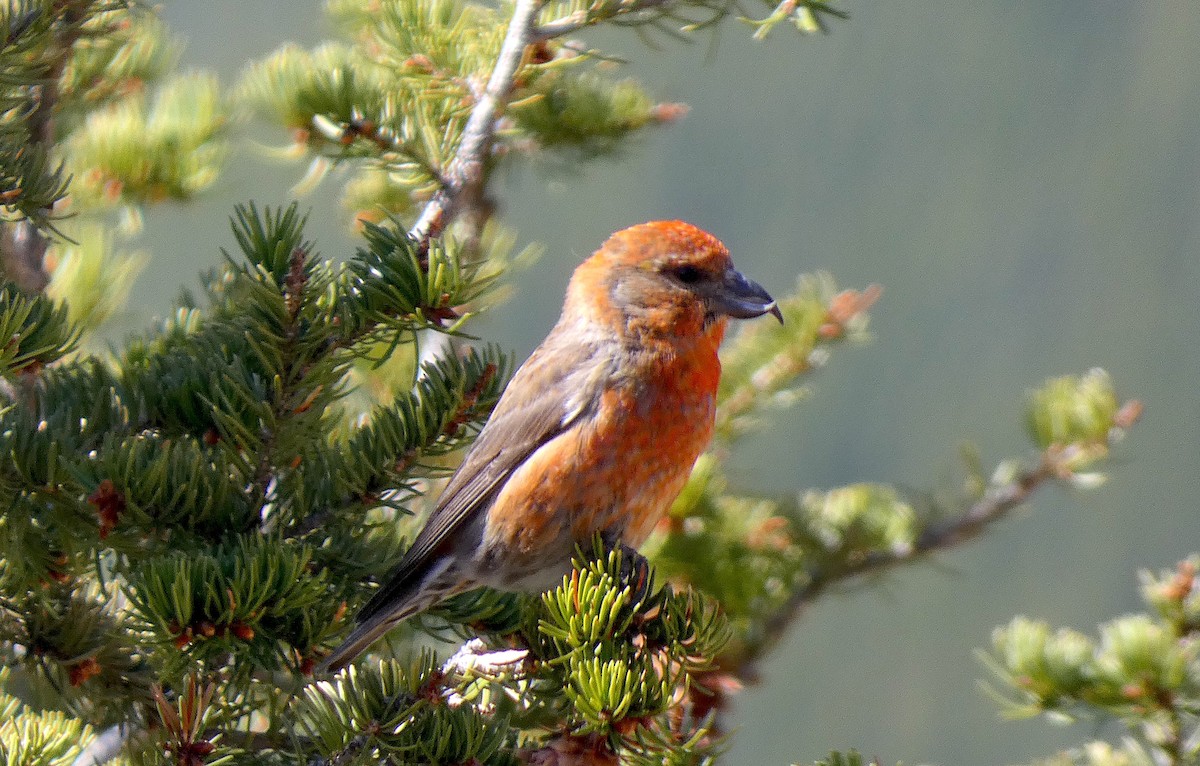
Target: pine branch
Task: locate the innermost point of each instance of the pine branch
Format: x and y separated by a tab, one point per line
1057	463
993	506
669	16
1139	671
573	22
465	173
294	284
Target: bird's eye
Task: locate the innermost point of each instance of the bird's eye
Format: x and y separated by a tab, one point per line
687	274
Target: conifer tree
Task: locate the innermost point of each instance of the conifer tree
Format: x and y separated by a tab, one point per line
187	525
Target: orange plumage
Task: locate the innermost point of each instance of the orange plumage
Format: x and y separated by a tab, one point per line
596	433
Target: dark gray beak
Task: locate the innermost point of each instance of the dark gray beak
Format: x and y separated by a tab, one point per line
742	298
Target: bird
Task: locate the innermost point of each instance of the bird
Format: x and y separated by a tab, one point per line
595	434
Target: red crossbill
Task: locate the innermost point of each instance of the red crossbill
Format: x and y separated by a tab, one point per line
596	433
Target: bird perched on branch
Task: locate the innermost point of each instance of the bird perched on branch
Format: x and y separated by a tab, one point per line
596	433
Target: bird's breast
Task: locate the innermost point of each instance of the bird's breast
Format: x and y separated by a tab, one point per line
618	467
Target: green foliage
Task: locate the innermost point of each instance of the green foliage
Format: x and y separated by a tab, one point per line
397	97
1142	669
1128	753
33	738
254	596
607	661
619	648
761	371
139	150
849	522
31	181
401	100
583	112
764	559
122	49
192	472
677	19
132	133
394	712
1076	420
82	646
806	17
1073	409
408	428
188	521
768	550
390	288
79	103
76	74
92	272
35	331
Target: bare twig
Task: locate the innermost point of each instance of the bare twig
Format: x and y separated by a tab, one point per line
465	172
996	503
22	253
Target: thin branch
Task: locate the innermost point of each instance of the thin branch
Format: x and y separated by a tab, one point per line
266	475
996	503
466	169
23	254
574	22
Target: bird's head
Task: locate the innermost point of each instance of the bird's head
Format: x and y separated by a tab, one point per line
666	278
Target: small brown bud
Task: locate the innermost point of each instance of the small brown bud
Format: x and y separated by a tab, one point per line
242	631
81	671
1133	691
1128	415
419	63
669	112
109	503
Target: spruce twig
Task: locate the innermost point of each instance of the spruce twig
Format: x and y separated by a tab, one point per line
578	20
995	504
466	169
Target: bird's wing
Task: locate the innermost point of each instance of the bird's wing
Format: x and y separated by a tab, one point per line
552	390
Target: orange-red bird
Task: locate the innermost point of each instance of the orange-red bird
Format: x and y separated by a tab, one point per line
596	433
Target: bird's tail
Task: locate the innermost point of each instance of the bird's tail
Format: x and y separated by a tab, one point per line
402	596
366	634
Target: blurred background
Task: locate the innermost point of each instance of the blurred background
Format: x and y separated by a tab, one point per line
1024	181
